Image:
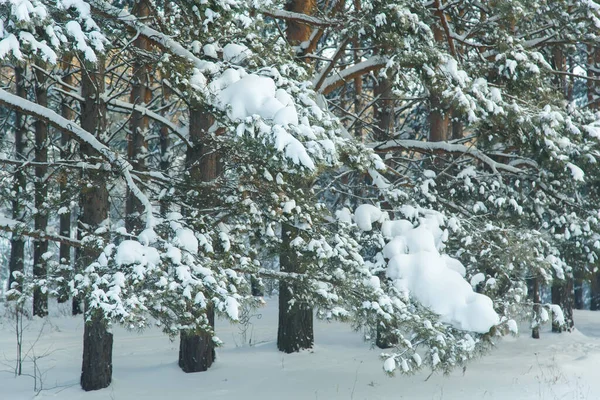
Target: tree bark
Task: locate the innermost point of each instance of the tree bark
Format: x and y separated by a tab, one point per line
562	295
297	32
137	145
97	355
595	291
295	325
164	145
537	308
383	113
197	350
96	371
438	119
40	247
64	254
295	329
578	293
17	243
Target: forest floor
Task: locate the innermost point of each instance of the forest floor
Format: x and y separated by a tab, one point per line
341	365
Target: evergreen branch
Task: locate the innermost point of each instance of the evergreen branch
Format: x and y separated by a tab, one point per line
19	229
446	147
301	18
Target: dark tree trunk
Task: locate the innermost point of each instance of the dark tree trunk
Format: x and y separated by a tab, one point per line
562	295
537	308
164	145
96	368
137	145
17	244
40	247
97	355
256	288
438	119
384	110
592	72
197	351
595	291
578	293
64	254
295	329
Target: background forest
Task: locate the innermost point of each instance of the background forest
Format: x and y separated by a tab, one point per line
425	171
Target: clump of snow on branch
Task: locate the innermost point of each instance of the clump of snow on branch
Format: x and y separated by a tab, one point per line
435	280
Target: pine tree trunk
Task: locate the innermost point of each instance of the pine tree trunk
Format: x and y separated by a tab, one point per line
96	371
384	110
97	355
438	119
64	254
40	247
298	33
537	308
164	145
578	293
295	328
17	243
137	145
595	291
562	295
197	351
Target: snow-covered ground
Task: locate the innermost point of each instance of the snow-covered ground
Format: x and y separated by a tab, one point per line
341	366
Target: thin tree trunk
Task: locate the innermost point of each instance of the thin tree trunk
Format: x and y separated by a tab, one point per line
537	308
578	292
64	254
96	371
164	146
358	81
137	145
295	325
17	243
384	110
595	291
197	350
40	247
295	330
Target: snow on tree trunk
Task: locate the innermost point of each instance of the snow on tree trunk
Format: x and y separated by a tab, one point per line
17	244
295	329
438	119
562	295
40	247
96	370
298	33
